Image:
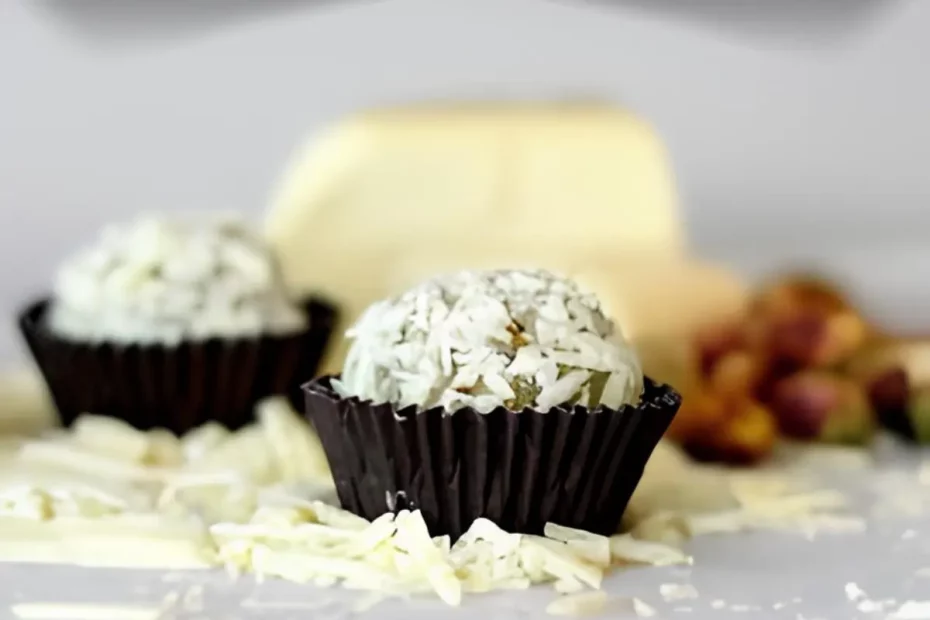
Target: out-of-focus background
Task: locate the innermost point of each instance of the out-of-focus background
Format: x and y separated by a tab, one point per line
797	129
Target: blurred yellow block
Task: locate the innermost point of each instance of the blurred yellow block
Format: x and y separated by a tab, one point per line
26	407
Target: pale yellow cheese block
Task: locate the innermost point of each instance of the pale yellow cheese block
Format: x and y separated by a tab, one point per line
391	196
570	174
26	407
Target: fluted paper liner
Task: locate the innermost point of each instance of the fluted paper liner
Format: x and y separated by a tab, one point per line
572	466
176	387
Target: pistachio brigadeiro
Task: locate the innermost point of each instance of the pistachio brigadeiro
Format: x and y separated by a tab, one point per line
160	280
512	338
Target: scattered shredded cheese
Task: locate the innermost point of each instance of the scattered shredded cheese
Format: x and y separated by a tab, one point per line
143	498
84	611
678	591
249	501
583	604
677	499
396	556
912	610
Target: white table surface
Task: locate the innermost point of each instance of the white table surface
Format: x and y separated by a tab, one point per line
760	575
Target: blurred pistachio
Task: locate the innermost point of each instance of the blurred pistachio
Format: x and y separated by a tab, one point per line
737	375
815	338
793	293
824	406
806	322
745	435
700	412
902	404
713	342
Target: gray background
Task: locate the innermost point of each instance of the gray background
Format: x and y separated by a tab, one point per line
798	128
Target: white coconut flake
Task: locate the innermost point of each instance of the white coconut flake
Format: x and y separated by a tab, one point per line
395	556
854	592
489	339
677	591
583	604
624	548
912	610
163	281
84	611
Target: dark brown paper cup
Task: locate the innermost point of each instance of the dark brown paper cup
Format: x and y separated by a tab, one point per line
575	467
175	387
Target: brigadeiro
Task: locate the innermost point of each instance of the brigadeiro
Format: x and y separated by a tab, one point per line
173	322
502	394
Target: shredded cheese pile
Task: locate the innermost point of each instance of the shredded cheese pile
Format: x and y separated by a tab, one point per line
77	524
678	499
260	501
106	494
279	448
396	556
41	504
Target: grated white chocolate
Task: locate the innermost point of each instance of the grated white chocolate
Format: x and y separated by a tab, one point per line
394	555
677	499
486	339
245	499
164	281
84	611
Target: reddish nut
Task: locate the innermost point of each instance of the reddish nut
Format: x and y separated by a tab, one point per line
775	373
737	375
700	412
815	339
823	406
799	293
896	374
901	406
806	322
746	436
847	333
889	390
713	342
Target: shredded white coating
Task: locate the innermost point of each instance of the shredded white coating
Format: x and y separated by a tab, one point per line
164	281
514	338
